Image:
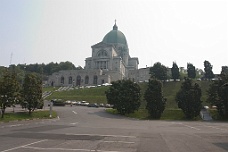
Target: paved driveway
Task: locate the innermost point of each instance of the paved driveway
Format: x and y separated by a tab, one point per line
85	129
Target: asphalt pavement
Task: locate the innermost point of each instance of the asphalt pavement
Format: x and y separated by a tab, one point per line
84	129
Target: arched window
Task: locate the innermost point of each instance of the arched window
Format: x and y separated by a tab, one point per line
87	79
78	80
62	80
95	79
102	53
70	80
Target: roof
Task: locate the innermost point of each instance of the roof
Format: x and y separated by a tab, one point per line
115	36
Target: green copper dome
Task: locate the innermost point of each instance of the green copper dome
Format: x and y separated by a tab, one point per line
115	36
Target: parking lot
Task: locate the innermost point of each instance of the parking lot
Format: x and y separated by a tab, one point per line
80	128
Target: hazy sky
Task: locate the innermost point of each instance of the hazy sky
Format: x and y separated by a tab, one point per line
44	31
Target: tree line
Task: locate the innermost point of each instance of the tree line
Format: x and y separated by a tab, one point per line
160	71
43	70
125	95
28	93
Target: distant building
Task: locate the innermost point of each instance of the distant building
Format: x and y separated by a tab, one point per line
110	61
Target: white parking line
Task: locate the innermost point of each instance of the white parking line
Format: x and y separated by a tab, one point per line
9	126
16	125
74	123
74	112
216	128
23	146
125	142
68	149
116	136
191	127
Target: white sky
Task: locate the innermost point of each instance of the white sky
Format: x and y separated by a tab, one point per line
44	31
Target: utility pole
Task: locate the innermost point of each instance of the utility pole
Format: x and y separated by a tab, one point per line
11	56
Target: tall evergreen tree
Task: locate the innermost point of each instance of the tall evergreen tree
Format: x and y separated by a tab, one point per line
208	70
224	70
191	71
188	98
175	71
218	95
154	98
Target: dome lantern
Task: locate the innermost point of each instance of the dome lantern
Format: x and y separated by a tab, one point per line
115	27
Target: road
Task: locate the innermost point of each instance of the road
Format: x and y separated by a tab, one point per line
84	129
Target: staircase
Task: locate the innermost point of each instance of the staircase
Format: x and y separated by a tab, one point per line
205	115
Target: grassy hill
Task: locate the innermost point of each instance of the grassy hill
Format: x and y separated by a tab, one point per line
93	95
97	95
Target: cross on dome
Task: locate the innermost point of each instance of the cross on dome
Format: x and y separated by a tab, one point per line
115	27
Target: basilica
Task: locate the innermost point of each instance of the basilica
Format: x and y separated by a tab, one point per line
110	61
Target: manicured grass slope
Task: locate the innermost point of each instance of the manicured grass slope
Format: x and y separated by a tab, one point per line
93	95
97	95
171	88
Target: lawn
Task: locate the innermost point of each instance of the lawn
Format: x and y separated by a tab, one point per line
25	116
168	114
171	88
92	95
97	95
49	89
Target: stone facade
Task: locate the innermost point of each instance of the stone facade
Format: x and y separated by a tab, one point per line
110	61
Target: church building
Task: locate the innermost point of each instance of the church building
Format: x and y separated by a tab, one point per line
110	61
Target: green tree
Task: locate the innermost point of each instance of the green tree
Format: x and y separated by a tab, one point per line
224	70
188	99
9	88
154	98
2	71
218	95
66	66
175	71
47	69
208	70
78	68
124	95
158	71
191	71
19	72
32	92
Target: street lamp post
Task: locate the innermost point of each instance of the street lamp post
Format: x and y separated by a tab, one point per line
51	105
